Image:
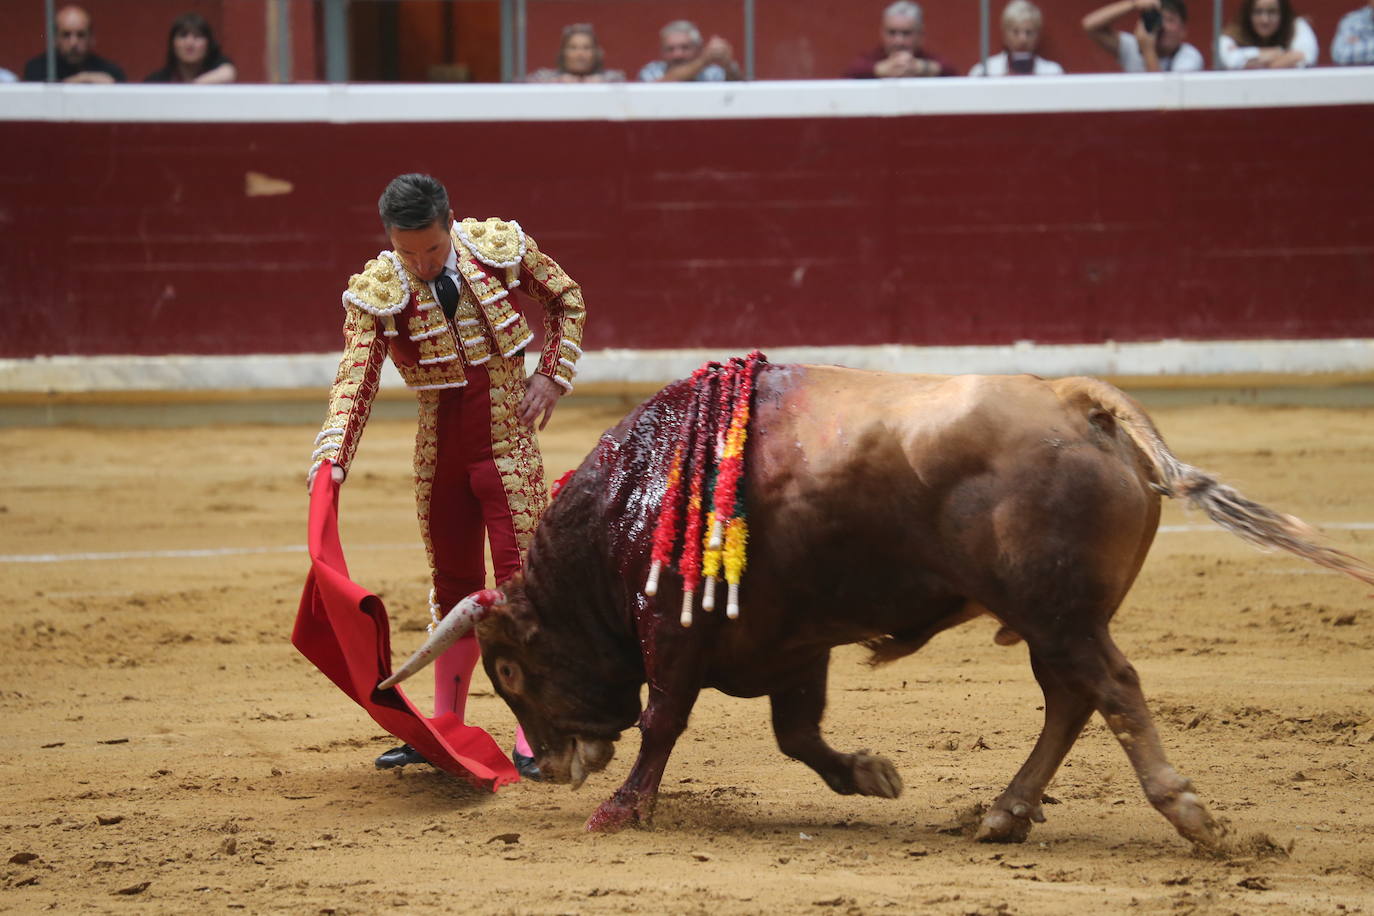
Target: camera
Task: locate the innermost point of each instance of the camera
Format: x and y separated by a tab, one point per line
1151	20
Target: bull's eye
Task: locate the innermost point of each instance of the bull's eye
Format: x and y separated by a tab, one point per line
509	674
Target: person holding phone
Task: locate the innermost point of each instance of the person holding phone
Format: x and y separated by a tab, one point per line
1157	44
1021	26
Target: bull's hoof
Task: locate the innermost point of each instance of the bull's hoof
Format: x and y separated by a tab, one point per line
1002	826
874	775
614	816
1192	820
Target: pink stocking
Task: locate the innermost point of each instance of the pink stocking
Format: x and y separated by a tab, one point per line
453	674
522	746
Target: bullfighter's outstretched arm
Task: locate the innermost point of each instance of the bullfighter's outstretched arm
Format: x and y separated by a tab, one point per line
372	298
350	397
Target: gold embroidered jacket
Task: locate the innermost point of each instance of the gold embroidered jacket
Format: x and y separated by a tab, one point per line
389	309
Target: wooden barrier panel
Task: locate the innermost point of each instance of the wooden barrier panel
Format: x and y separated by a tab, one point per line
1079	226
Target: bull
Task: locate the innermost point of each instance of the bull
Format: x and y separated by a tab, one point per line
882	509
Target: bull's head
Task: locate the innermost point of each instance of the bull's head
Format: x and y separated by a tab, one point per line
552	681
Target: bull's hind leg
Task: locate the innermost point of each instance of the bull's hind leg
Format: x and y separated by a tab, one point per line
797	712
1091	673
1066	712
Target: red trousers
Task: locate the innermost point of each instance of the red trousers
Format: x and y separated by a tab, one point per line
477	470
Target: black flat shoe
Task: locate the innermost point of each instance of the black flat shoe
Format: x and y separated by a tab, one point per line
525	766
399	757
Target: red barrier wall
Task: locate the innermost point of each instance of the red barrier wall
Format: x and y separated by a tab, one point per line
969	229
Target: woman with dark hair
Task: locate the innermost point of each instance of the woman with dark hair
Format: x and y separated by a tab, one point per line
579	60
1267	34
193	55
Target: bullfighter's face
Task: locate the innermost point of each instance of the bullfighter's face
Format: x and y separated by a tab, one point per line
571	713
424	251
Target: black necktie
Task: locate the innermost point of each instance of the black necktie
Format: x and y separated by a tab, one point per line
447	291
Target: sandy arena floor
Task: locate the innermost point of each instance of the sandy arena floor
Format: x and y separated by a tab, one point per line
166	750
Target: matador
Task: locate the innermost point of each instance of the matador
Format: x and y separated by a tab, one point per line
441	304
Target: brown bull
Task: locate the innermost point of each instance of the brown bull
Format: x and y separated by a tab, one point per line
882	509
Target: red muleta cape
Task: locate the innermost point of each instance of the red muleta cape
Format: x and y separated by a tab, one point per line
344	631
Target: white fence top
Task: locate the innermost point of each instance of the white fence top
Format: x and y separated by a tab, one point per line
408	102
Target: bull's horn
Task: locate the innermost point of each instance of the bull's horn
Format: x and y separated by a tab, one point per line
455	625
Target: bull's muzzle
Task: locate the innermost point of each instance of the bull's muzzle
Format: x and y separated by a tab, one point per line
577	759
456	624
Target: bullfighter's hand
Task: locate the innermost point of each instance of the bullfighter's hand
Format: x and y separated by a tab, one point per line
541	396
335	472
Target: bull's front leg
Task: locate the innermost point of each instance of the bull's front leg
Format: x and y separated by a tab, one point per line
673	664
797	712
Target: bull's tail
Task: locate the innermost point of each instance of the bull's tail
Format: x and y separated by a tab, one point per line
1257	524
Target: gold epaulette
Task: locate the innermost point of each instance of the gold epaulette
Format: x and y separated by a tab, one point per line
495	242
381	289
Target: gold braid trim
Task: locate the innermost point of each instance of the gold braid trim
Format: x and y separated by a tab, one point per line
565	313
355	385
495	242
516	451
426	462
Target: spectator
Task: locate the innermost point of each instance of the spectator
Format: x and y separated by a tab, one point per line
1266	34
7	76
685	58
580	60
1021	24
193	55
902	52
1354	41
76	63
1158	42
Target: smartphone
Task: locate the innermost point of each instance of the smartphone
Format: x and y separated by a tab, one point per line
1151	20
1020	63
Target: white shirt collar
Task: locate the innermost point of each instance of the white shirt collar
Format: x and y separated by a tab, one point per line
451	265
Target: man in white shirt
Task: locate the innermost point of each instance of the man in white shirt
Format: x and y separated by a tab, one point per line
1158	42
686	58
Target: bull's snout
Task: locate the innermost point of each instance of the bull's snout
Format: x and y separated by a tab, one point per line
576	760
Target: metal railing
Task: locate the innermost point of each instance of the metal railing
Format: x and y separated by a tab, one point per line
514	29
